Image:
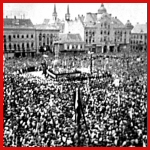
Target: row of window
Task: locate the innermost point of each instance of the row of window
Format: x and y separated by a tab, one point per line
105	32
90	40
120	32
139	36
17	36
105	25
74	47
18	46
137	42
90	33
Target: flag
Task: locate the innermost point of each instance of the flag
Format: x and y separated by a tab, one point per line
77	105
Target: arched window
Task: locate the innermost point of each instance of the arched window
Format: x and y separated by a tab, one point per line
86	33
23	46
27	36
67	46
86	41
18	47
90	40
93	33
10	46
101	32
31	35
22	36
108	32
32	44
40	37
14	36
18	36
72	46
14	46
9	37
47	40
27	45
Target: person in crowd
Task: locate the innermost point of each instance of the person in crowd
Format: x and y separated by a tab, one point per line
40	112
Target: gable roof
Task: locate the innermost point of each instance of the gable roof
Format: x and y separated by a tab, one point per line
140	28
70	37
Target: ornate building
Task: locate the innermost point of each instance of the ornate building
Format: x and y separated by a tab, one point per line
101	32
139	37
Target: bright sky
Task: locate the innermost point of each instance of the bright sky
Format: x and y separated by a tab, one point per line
37	12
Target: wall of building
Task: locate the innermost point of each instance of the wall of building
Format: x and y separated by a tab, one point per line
46	38
138	41
19	40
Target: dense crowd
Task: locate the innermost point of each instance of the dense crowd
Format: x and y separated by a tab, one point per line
40	112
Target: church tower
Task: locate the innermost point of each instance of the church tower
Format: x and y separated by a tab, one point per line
54	13
67	16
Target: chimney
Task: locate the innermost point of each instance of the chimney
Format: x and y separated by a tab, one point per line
14	17
115	17
6	16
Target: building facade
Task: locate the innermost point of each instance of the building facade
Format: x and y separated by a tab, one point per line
69	43
19	37
139	38
22	38
101	32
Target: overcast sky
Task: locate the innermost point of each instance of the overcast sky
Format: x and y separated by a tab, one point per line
37	12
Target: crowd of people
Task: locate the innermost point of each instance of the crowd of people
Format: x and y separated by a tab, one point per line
40	112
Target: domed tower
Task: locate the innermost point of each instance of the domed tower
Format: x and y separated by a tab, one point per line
54	13
129	25
67	15
101	11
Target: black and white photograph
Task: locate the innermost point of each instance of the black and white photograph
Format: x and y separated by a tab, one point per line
75	74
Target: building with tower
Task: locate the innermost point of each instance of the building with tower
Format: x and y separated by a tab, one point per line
67	16
101	32
55	14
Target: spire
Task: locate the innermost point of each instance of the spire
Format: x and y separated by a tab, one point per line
54	13
68	10
67	16
55	9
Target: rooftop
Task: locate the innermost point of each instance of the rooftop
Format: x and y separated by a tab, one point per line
14	22
140	28
70	37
